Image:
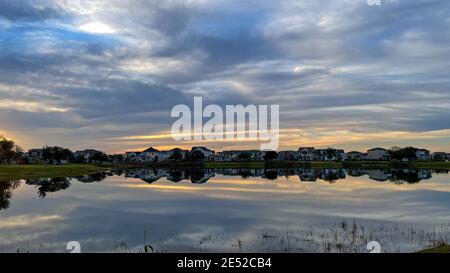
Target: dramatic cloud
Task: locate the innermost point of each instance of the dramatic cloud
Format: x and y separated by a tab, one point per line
93	73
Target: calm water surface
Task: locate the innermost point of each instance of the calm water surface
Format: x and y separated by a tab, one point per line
298	210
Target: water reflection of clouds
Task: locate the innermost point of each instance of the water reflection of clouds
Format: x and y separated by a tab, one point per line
177	215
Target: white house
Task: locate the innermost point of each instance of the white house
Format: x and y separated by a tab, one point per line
441	156
378	154
288	155
34	156
355	156
329	154
306	153
149	155
422	154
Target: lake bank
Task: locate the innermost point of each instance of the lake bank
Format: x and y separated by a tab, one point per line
17	172
286	164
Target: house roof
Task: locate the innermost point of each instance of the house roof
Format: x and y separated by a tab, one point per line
151	150
200	147
177	149
87	151
378	148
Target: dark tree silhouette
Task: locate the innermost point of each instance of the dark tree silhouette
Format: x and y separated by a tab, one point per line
271	175
56	154
198	156
270	155
176	156
8	150
244	156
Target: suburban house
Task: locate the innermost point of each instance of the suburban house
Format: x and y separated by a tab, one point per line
201	153
378	154
355	156
149	155
329	154
86	156
230	155
219	157
440	156
175	154
306	153
422	154
288	155
243	155
34	156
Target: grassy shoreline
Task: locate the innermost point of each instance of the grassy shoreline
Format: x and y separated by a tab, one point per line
440	249
17	172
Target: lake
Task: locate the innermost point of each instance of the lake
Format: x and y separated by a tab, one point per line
232	210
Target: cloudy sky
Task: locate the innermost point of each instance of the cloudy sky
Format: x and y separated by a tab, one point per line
106	74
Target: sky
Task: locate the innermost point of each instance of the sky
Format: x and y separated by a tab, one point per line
106	74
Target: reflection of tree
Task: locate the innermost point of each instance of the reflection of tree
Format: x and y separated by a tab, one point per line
6	189
331	177
52	185
411	177
271	175
175	175
200	176
245	174
198	156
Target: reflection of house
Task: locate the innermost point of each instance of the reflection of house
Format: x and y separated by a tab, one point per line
288	155
306	153
177	175
355	156
422	154
379	175
424	174
357	172
147	175
332	174
34	156
201	176
309	175
439	156
378	154
93	177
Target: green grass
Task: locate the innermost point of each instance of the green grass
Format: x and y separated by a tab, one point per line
227	165
441	249
16	172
